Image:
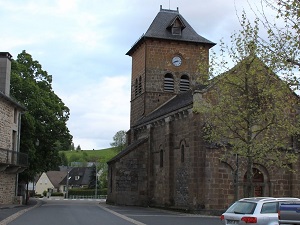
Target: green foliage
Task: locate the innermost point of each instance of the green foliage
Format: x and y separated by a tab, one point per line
87	192
60	194
119	140
280	36
44	126
91	155
63	159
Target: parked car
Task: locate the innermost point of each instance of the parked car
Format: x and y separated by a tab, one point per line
289	213
258	211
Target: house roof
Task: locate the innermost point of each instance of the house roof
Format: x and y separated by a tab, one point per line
56	177
160	29
84	174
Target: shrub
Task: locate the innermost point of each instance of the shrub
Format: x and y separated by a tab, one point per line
87	192
57	194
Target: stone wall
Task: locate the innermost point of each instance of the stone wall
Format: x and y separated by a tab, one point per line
6	124
128	178
7	188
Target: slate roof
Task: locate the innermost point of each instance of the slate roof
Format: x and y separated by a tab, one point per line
159	29
84	174
178	102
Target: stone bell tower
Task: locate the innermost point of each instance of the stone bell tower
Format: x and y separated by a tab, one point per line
165	62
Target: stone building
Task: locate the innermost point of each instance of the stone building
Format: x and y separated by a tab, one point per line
167	163
12	161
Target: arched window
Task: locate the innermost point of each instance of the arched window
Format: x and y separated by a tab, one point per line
169	83
184	83
161	158
140	85
182	153
136	87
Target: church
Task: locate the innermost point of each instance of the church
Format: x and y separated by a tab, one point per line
167	162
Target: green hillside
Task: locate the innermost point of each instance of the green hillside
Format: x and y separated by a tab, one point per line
90	155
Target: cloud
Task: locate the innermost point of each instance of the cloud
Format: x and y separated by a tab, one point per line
99	110
82	44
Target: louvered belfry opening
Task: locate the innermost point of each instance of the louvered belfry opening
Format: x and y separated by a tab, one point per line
184	83
136	87
140	85
169	83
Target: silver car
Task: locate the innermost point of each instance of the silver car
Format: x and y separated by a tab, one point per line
256	211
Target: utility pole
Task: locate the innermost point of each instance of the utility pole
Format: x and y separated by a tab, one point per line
96	186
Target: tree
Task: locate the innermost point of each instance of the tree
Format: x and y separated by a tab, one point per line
283	29
119	140
92	180
78	148
63	159
44	122
249	110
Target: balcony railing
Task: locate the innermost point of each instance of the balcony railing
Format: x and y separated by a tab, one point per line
10	157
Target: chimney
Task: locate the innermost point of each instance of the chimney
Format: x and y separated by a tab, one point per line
5	68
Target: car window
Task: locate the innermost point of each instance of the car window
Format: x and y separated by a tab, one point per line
242	207
270	207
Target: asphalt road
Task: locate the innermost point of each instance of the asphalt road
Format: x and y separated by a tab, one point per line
82	212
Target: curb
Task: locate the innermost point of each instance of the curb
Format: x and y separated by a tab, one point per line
17	214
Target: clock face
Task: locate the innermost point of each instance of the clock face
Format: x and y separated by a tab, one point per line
176	61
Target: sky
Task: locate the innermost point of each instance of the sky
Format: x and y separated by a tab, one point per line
82	44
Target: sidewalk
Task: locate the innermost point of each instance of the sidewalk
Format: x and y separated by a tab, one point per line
9	210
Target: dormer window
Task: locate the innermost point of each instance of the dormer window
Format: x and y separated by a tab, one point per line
176	26
77	177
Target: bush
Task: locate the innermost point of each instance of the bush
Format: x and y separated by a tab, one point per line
87	192
57	194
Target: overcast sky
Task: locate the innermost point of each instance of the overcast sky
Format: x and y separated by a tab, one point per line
82	44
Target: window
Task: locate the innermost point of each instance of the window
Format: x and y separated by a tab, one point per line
177	27
169	83
270	207
161	158
15	115
14	140
77	177
184	83
242	207
182	153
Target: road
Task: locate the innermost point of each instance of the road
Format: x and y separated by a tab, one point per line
81	212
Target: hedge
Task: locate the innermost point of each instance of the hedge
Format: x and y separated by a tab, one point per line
87	192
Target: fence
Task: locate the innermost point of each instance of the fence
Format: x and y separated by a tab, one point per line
87	197
13	157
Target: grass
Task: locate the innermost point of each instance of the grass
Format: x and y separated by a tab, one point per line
103	155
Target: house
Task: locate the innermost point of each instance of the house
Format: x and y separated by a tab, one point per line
167	161
50	182
57	181
78	177
12	161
